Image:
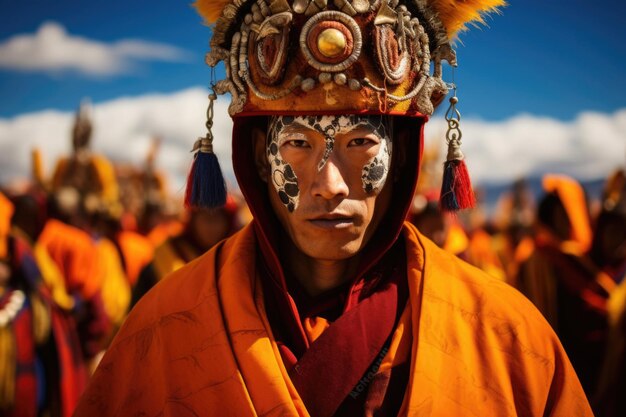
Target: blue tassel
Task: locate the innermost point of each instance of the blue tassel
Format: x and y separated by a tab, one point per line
205	185
447	199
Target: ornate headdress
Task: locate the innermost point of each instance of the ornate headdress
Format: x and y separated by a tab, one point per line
334	57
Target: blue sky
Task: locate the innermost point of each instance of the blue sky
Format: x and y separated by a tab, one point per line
541	87
551	58
169	22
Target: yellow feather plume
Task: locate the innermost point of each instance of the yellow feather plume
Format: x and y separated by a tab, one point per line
455	14
210	10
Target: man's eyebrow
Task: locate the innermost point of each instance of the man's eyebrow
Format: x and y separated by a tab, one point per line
362	127
295	126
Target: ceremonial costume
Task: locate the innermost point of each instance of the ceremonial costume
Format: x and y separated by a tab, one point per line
412	330
472	344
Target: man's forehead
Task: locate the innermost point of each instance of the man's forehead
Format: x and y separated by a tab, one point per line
324	123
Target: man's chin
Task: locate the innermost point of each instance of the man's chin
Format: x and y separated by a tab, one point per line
334	251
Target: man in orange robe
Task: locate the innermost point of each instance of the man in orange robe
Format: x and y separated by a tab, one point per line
563	282
328	303
203	229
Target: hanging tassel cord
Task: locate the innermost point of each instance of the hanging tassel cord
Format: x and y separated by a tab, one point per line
206	187
456	188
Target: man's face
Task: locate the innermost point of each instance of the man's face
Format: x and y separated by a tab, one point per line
327	180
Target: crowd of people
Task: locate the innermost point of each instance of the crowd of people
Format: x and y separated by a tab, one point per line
77	249
80	247
567	254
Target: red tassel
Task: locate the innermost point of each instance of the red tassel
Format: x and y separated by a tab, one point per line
456	189
463	186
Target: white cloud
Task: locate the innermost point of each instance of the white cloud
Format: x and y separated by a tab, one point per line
123	130
52	49
588	147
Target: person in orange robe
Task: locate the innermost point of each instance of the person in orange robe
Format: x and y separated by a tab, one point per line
563	282
41	370
90	176
203	229
513	218
74	253
328	303
62	358
136	251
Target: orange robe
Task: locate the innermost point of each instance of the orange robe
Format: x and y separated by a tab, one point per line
115	288
74	252
76	257
137	252
481	254
572	295
168	257
162	231
200	344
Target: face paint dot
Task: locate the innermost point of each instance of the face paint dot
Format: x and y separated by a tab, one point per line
289	174
279	178
273	148
376	173
283	197
292	189
287	120
291	207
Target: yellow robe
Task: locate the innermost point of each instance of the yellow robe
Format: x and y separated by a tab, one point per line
115	287
200	344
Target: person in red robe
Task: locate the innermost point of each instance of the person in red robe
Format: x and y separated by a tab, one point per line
328	303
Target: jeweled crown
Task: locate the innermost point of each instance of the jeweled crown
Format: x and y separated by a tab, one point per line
331	56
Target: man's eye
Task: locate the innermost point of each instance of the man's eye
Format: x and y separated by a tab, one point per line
297	143
360	142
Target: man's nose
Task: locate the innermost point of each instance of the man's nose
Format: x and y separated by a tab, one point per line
329	181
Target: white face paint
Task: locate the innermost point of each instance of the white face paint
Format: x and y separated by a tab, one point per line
283	177
373	175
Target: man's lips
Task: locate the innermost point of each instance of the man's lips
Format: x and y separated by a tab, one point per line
332	221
